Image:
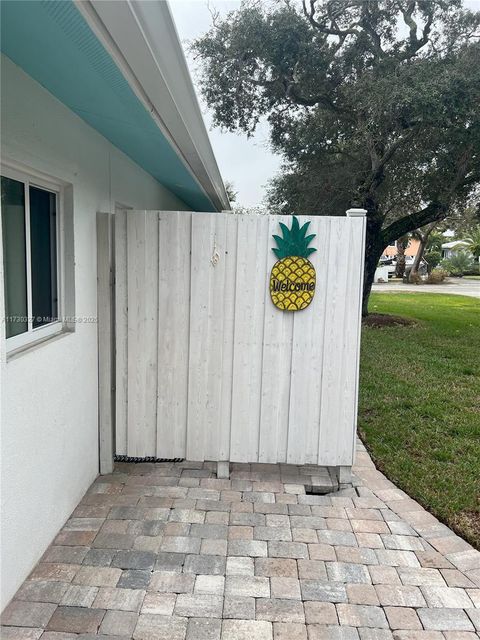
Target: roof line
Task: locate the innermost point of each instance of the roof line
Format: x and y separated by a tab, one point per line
114	26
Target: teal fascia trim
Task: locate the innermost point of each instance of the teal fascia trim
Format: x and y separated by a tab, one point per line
52	43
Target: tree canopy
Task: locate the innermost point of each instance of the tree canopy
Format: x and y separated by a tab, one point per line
372	104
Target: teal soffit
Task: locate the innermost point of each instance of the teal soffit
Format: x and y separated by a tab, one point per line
52	43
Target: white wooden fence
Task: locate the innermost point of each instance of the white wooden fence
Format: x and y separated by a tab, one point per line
207	368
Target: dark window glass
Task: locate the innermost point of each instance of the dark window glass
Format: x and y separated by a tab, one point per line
14	256
43	250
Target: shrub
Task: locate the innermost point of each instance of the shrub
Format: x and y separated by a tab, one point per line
458	264
414	278
433	259
436	276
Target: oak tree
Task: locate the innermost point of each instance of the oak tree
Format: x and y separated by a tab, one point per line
373	104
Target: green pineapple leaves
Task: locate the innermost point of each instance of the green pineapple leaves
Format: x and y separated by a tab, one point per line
294	241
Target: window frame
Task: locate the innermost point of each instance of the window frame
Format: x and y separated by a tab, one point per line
39	334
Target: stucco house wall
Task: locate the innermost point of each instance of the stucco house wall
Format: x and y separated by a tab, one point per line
50	442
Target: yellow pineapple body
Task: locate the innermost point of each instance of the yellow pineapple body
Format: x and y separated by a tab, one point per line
292	283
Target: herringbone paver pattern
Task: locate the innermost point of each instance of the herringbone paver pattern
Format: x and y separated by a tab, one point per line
170	552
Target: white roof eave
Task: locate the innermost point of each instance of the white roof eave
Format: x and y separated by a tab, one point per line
142	39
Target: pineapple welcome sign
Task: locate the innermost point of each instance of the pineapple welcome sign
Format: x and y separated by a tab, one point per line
292	281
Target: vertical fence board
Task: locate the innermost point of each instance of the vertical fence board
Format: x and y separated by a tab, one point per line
212	424
121	333
276	369
151	329
206	335
136	369
307	352
350	352
332	387
251	278
105	341
229	298
174	237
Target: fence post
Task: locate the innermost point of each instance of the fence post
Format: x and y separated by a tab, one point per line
105	341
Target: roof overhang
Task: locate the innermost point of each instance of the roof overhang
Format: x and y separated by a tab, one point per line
119	66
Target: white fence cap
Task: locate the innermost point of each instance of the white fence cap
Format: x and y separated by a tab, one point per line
351	213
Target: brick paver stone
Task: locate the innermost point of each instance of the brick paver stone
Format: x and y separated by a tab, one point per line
279	610
345	572
320	613
474	615
356	615
239	607
165	582
76	620
19	633
277	567
42	591
54	571
199	606
27	614
213	547
362	594
68	555
134	560
155	627
285	588
134	579
252	548
418	635
210	584
396	596
204	629
247	630
180	544
97	576
205	564
118	623
120	599
402	618
238	566
420	577
323	591
375	634
445	619
254	586
159	603
289	631
79	596
287	550
328	632
446	597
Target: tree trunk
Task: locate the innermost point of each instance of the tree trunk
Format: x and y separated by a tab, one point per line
374	247
402	244
423	237
418	258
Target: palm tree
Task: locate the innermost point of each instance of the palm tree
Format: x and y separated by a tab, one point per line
474	243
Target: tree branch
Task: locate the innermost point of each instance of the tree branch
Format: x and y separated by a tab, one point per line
433	212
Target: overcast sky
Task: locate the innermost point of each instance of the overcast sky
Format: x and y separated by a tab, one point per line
247	163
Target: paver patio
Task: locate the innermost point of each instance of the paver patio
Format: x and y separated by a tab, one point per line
167	552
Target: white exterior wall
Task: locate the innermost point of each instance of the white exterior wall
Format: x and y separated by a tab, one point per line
49	394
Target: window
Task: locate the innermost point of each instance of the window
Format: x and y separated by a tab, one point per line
30	230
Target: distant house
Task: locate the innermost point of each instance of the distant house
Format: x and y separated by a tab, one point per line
410	252
451	248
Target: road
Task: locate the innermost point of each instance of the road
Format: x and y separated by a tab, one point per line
456	286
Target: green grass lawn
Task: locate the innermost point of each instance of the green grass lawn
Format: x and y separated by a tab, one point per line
420	403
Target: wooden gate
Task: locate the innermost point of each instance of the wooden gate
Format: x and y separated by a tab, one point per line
206	367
